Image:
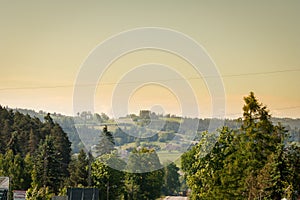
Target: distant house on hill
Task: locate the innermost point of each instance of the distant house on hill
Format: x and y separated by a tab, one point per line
145	114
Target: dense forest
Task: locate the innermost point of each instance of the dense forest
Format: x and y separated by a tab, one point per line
37	157
254	157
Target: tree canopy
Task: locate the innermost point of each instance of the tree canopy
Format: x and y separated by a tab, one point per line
250	162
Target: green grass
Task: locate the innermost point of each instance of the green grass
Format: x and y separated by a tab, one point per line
165	156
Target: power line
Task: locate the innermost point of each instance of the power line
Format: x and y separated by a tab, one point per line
261	73
274	109
134	82
288	108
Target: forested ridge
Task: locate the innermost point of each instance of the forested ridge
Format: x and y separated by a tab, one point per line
254	157
33	153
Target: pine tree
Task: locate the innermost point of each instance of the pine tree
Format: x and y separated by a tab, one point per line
106	143
33	142
13	143
248	163
5	134
78	170
62	146
48	172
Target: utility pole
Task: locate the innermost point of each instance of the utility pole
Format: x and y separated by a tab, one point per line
107	191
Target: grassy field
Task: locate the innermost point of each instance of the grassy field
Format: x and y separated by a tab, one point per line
165	156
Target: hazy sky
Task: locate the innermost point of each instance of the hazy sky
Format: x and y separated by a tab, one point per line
255	45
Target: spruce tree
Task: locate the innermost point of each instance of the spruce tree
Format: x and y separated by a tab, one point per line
78	170
48	171
106	143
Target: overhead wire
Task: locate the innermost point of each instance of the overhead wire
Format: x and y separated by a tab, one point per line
133	82
174	79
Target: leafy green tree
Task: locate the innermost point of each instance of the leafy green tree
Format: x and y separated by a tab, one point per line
109	181
251	162
292	160
16	168
145	177
204	165
171	180
27	171
36	193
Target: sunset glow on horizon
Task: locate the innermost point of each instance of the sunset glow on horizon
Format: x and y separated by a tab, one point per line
255	46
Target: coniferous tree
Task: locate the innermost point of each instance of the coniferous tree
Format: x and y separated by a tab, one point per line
252	162
63	146
106	143
47	168
33	142
5	134
13	143
78	170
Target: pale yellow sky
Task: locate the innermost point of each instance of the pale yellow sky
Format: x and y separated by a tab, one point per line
44	43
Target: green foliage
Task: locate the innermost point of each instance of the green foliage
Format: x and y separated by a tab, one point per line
78	169
33	154
36	193
251	158
106	143
251	162
141	181
47	171
109	181
171	185
15	167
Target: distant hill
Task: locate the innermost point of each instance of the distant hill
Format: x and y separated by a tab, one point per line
90	124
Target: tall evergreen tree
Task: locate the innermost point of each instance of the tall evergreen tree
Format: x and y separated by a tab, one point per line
13	143
33	142
48	172
252	162
5	133
106	143
62	146
78	170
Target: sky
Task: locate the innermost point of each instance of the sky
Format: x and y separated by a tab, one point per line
255	46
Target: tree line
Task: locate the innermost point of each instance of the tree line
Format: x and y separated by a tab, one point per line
255	161
253	158
88	123
37	157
